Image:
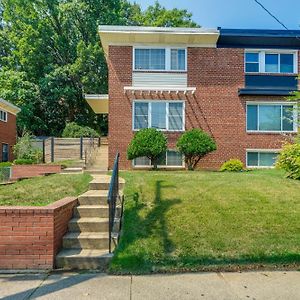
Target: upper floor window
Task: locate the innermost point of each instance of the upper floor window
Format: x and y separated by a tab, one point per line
271	117
270	62
161	115
160	59
3	116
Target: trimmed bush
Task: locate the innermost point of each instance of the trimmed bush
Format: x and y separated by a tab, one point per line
73	130
195	144
23	161
232	165
23	150
289	160
5	164
147	142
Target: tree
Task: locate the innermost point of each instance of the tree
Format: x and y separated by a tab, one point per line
195	144
147	142
53	48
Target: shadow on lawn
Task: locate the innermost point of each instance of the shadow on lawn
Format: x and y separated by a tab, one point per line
153	224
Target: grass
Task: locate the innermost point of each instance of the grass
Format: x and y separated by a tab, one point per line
40	191
190	221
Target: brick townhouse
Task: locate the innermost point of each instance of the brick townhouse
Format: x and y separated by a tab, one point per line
8	129
231	83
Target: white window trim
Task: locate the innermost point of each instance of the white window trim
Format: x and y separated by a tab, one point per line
258	103
167	114
160	166
5	114
262	54
167	59
261	151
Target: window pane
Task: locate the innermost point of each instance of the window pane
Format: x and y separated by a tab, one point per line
272	63
267	159
252	57
286	63
158	115
5	151
252	159
270	117
140	115
252	117
141	161
174	158
288	118
142	59
157	59
252	67
177	59
175	116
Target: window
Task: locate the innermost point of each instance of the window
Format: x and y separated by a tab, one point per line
161	115
177	59
271	117
171	158
5	152
263	159
270	62
165	59
3	116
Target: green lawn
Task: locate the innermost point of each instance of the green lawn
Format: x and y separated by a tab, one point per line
188	221
40	191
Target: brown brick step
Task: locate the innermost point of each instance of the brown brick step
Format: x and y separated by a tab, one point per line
91	211
83	259
88	225
86	240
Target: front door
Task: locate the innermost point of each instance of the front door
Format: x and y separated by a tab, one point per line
5	152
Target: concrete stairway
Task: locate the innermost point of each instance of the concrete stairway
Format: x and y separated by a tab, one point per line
100	165
85	246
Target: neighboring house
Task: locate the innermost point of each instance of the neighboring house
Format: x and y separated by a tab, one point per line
8	129
230	83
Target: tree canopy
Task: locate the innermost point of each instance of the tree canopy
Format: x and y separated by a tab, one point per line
50	55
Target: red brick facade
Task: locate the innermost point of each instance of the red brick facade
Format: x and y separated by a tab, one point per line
30	237
8	134
26	171
216	106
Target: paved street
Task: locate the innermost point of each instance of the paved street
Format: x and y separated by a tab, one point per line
231	286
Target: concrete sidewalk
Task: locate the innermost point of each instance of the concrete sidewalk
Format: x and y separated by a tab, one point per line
231	286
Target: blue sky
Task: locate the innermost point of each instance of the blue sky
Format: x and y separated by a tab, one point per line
237	13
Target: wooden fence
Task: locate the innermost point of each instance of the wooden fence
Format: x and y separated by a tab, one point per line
58	149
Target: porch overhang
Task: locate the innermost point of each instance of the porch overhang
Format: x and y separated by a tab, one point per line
98	103
159	90
7	106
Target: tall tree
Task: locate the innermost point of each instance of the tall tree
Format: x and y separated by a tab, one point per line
51	55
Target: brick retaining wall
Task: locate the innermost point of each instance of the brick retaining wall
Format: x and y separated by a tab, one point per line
26	171
30	237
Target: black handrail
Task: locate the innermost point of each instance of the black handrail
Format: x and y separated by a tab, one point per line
113	196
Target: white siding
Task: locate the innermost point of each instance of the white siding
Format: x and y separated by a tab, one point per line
142	79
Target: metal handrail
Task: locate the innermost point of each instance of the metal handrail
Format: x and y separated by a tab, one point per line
113	196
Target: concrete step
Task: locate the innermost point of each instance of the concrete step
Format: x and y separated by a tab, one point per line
83	259
93	197
88	224
86	240
91	211
72	170
95	171
101	182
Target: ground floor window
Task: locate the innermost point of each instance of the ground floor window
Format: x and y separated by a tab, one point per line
170	158
261	159
5	152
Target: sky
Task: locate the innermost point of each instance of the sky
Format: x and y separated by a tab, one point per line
237	13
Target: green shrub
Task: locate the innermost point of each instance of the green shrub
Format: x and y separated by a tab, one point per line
232	165
147	142
73	130
289	160
23	150
195	144
5	164
23	161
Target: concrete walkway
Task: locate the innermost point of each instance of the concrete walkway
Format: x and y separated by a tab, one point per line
231	286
